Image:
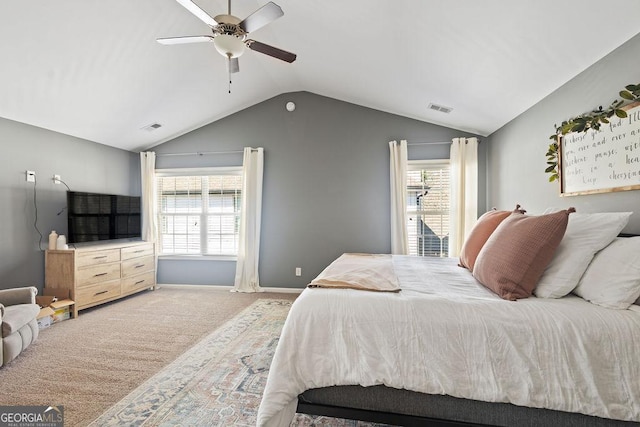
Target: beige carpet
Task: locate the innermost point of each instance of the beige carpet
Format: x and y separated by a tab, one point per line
90	363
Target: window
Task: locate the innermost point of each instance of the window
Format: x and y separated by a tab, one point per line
199	211
428	193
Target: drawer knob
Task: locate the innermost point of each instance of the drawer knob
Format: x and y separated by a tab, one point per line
100	293
139	265
99	257
100	274
138	282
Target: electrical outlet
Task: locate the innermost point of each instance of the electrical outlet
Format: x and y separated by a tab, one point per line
298	271
31	176
56	179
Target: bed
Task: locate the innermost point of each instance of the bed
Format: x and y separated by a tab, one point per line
448	351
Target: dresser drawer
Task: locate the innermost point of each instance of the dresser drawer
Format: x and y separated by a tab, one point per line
97	257
96	293
135	266
141	281
137	251
97	273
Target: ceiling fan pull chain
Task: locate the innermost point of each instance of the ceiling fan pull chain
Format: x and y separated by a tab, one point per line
229	69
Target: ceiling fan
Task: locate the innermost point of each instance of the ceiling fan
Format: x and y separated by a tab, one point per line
230	33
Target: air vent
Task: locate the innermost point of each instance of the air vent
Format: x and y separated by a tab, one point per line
152	127
440	108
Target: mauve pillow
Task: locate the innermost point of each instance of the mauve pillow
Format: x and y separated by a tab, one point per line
479	234
515	256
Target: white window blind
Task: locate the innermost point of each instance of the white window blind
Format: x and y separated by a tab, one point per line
428	195
199	214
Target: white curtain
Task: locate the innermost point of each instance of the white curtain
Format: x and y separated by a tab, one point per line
250	216
149	206
464	191
398	176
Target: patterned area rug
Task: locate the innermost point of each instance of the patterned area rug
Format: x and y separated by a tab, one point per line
218	382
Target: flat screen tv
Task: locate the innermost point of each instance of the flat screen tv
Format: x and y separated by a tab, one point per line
93	217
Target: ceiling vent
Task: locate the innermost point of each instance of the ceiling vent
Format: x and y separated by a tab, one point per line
152	127
440	108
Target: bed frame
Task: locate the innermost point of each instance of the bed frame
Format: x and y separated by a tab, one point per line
380	404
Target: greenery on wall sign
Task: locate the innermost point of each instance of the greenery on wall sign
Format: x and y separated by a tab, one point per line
591	120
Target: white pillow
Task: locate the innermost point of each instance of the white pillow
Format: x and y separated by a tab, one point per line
586	234
613	277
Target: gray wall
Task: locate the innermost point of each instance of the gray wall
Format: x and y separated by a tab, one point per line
516	155
326	182
83	165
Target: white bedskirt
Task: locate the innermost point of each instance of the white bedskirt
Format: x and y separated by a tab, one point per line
444	333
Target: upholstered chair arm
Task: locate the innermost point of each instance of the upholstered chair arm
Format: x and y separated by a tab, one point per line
26	295
1	312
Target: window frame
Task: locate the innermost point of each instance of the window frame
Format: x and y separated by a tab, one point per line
188	172
418	165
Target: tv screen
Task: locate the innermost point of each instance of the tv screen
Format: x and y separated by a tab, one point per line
93	217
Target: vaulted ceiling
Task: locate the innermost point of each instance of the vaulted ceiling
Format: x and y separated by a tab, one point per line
93	69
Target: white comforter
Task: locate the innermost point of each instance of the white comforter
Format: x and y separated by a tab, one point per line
446	334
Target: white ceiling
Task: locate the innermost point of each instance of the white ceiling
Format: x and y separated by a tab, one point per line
92	68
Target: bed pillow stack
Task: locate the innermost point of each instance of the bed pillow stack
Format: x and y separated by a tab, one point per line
554	254
515	256
480	233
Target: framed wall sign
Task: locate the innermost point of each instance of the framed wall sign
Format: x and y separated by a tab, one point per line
602	161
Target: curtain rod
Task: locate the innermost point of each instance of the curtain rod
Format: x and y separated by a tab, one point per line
202	153
429	143
432	143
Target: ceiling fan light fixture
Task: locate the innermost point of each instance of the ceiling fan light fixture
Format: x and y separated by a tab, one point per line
229	45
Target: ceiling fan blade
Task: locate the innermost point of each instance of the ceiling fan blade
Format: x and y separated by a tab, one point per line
198	12
271	51
234	65
184	39
261	17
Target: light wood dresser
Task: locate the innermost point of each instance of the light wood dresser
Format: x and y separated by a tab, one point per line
96	274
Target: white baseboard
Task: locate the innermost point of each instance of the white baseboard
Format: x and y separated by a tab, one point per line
283	290
230	288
